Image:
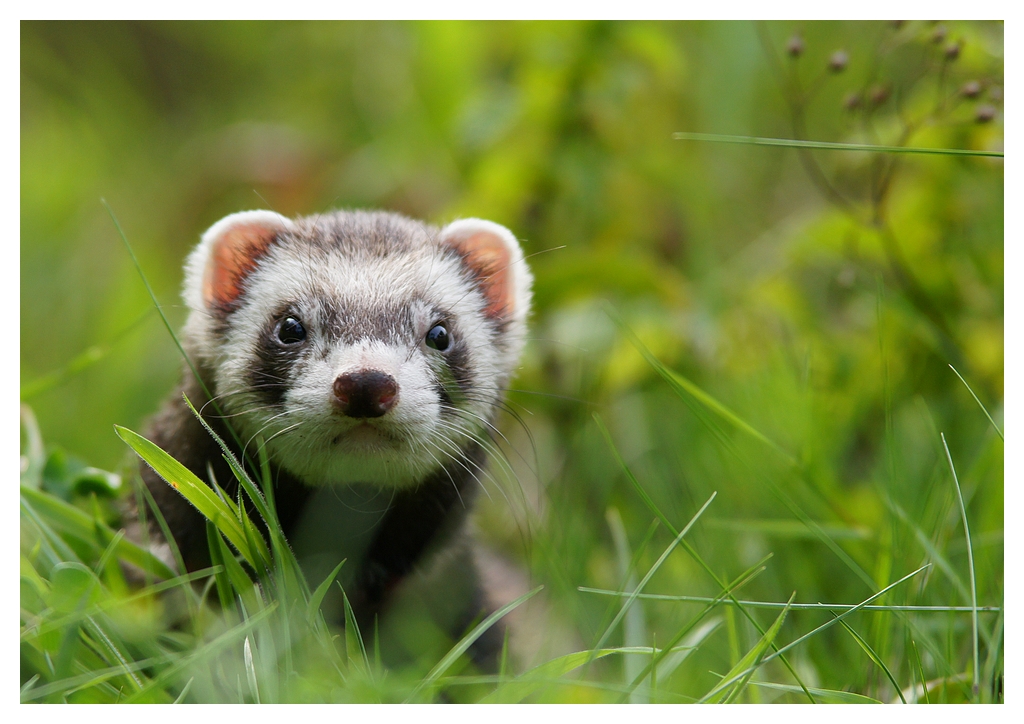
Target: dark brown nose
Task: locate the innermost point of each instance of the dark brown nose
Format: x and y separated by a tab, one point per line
369	393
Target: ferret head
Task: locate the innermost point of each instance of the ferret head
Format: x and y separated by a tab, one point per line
362	347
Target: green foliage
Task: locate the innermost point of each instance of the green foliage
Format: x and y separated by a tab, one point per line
774	324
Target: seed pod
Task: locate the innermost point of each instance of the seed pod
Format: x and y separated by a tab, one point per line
897	24
852	101
952	51
795	46
971	89
838	62
985	113
939	34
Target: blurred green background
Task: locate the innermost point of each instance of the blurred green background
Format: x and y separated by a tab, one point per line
820	296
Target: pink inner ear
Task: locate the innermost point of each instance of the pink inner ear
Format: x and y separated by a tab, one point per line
232	259
486	254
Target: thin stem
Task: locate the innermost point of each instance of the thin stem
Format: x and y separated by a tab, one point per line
970	567
998	431
828	145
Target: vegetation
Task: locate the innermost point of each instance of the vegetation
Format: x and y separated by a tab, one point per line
755	450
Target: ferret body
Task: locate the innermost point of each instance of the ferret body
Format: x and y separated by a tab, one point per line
370	352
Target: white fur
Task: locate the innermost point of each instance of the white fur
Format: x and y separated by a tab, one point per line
416	436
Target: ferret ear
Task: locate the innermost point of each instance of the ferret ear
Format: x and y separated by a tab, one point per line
228	253
493	255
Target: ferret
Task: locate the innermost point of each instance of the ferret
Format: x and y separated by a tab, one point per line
370	352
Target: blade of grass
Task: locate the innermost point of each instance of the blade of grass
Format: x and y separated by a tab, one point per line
994	425
146	505
922	681
633	563
463	645
664	666
934	553
250	670
221	580
243	477
200	495
827	145
113	651
265	510
52	545
87	679
354	647
35	452
205	652
991	661
685	387
657	660
686	546
684	393
313	607
634	626
184	691
650	573
106	605
106	567
795	606
970	567
70	520
929	686
827	696
746	666
840	617
875	658
550	672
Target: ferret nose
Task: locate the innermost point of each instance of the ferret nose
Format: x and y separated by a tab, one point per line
368	393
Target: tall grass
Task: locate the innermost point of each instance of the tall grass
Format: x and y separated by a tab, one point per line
87	635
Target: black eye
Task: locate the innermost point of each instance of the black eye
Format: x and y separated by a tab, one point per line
437	338
290	331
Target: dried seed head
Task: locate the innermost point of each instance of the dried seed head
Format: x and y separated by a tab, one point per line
953	51
971	89
985	113
939	34
878	95
838	62
897	24
795	46
852	101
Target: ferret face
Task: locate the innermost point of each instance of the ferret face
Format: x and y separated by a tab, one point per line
361	347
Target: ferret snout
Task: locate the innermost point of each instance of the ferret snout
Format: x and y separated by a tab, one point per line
366	393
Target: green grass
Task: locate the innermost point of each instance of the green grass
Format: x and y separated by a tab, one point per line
87	635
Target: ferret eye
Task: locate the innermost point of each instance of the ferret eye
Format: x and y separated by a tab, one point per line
437	338
290	331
